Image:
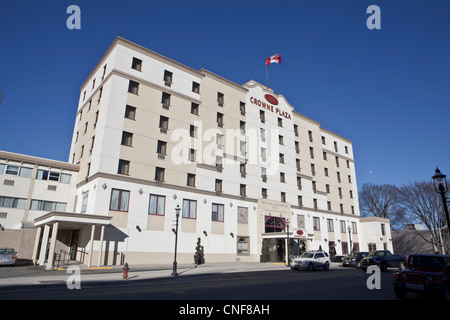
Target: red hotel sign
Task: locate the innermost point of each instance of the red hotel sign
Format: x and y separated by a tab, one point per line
269	105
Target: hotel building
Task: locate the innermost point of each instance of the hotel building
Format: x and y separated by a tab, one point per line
249	173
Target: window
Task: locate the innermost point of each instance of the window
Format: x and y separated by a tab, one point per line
344	247
282	177
119	200
9	202
315	204
242	190
195	87
165	100
168	78
133	87
316	223
274	224
220	99
264	193
13	170
162	147
163	124
242	108
193	131
262	116
127	139
100	92
84	200
136	64
383	229
300	201
220	119
281	140
194	108
16	170
243	245
283	197
310	136
189	209
130	112
192	155
53	176
157	204
296	130
191	180
124	167
280	122
342	223
217	212
354	230
159	174
42	205
311	152
218	185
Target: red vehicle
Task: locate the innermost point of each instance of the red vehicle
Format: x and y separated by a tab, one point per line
424	273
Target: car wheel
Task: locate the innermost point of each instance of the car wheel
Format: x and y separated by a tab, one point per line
400	293
326	266
310	267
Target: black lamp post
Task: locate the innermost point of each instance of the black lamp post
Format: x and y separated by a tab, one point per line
441	187
350	238
288	243
174	271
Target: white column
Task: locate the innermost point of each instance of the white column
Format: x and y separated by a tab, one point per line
51	254
91	246
36	244
44	245
100	250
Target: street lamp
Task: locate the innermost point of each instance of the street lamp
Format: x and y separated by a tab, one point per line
350	238
288	243
440	184
174	271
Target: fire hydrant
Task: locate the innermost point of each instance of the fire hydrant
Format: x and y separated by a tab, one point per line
125	271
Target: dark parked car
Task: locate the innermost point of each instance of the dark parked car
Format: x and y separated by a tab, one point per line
424	273
8	256
383	259
354	259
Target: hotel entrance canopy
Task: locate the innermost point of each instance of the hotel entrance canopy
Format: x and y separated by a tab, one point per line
65	220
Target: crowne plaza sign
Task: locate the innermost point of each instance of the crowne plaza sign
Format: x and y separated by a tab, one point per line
270	103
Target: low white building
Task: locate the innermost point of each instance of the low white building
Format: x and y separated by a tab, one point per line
249	173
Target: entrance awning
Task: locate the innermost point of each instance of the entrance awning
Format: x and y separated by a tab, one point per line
65	220
71	219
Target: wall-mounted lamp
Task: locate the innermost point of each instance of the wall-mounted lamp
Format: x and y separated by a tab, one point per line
232	234
205	233
2	227
138	228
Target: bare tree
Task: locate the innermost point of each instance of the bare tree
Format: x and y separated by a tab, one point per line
423	203
382	201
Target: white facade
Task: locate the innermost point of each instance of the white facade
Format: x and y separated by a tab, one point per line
152	134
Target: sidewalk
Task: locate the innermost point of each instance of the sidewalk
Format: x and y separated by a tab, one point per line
137	272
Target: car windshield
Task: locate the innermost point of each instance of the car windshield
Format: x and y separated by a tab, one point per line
307	255
426	261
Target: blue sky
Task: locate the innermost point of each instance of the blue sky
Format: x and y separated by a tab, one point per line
387	90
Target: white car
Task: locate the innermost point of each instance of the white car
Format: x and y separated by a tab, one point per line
311	260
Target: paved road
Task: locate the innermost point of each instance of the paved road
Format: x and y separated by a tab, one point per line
278	284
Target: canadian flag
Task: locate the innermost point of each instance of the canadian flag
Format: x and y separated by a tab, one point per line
273	59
